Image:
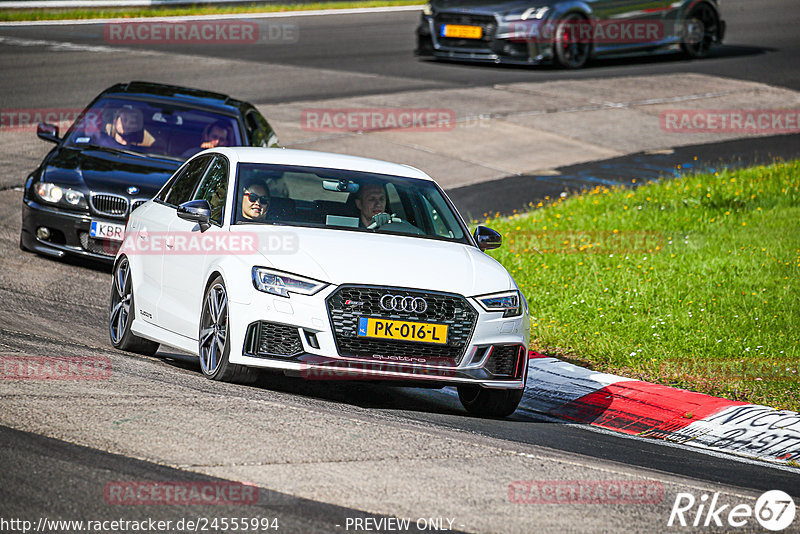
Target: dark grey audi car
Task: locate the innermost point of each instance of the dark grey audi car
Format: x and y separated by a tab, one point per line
569	32
119	152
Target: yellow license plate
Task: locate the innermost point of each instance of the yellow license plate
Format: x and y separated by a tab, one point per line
402	330
462	32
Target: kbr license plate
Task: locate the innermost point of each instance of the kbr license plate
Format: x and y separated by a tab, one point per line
402	330
459	31
106	230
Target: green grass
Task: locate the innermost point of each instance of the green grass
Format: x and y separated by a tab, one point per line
689	282
10	15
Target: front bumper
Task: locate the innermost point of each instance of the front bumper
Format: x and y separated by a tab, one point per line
69	233
300	341
499	45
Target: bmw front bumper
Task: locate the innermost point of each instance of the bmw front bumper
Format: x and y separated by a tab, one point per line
69	233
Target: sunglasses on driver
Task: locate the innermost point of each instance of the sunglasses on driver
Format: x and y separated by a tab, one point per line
253	198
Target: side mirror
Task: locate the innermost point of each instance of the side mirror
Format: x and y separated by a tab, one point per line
198	211
48	132
487	238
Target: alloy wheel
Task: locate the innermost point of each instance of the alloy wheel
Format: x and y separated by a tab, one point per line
121	301
701	30
570	51
213	328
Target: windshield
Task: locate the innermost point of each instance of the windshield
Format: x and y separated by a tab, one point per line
344	200
152	128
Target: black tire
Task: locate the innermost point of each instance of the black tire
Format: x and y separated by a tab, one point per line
214	361
121	312
486	402
568	51
700	31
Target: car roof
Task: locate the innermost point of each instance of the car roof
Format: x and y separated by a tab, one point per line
310	158
184	95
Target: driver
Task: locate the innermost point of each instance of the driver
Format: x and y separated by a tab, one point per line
371	203
215	134
127	128
255	201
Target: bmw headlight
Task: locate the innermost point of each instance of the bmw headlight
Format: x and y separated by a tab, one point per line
55	194
508	302
427	10
281	284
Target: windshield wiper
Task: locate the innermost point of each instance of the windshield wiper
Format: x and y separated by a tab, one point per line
124	151
109	149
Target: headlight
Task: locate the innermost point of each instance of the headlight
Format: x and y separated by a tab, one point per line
49	192
529	14
508	302
59	195
281	284
427	9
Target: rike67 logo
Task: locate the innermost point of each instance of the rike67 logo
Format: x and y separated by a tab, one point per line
774	510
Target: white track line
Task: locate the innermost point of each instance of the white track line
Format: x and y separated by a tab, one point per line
232	16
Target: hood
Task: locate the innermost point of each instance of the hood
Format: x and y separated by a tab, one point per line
101	171
500	7
340	256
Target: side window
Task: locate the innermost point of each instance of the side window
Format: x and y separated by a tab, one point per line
254	132
183	187
214	188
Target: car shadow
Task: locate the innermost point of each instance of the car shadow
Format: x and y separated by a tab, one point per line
367	395
76	261
657	58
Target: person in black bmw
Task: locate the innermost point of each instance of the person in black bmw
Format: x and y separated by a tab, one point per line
117	155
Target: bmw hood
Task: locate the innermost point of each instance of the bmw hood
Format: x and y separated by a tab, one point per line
104	172
349	257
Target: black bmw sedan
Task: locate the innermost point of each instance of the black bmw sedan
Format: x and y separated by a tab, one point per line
117	155
568	32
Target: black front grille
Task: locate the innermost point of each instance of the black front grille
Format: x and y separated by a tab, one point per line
364	301
109	205
486	22
98	246
503	360
136	203
267	340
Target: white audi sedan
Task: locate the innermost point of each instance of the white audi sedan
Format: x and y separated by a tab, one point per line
322	266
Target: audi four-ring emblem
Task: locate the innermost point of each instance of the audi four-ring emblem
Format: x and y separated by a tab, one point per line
405	304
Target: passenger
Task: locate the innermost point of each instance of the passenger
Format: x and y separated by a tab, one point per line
255	201
216	134
127	128
370	200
